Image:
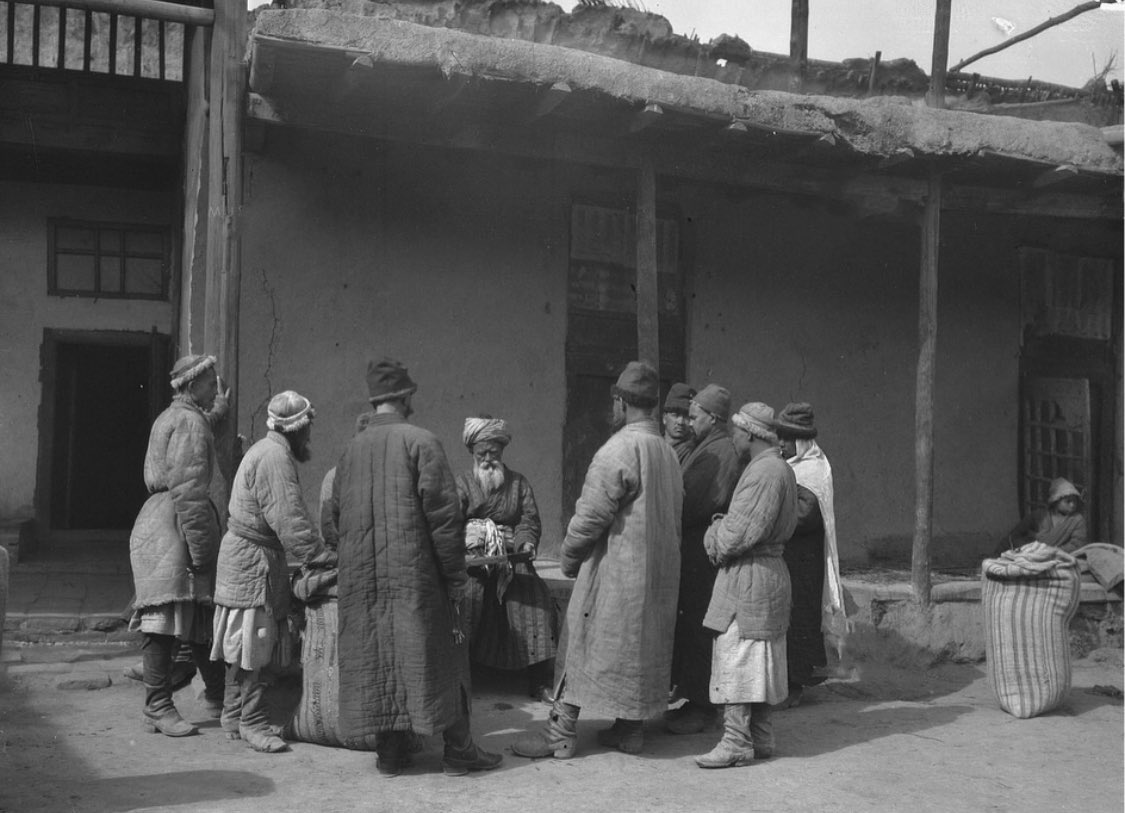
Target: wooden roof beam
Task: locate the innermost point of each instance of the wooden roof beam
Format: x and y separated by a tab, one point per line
646	117
148	9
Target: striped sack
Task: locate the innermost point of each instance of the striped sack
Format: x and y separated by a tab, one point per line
1029	596
317	716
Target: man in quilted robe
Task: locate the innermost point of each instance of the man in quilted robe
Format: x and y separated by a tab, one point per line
623	544
404	661
175	541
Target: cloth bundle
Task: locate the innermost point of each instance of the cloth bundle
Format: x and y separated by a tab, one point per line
483	537
1029	596
317	717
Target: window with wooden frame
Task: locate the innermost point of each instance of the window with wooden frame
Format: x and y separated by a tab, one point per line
108	260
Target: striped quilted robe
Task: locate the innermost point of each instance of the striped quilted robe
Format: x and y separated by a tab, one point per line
1029	596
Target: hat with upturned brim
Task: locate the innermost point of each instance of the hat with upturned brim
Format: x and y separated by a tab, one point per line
387	380
796	421
189	368
756	419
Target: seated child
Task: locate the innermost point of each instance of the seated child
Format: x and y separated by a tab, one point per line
1060	525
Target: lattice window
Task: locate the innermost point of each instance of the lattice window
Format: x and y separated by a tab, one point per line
1066	295
1056	437
108	260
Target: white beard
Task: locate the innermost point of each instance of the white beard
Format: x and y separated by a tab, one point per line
491	478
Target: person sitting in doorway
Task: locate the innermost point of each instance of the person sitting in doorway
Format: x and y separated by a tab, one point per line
1060	524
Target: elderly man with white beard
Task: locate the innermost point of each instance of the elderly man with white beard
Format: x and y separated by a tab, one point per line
513	623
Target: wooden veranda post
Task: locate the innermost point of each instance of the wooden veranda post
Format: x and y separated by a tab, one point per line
224	202
798	43
927	336
648	306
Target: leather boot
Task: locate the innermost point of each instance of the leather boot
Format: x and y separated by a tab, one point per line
557	739
254	726
160	712
462	755
392	751
213	674
231	717
736	748
627	736
761	730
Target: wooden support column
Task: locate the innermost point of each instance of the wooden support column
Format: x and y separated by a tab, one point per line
924	393
798	43
648	306
224	200
189	334
939	65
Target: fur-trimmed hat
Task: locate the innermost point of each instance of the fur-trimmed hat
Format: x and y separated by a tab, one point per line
756	419
289	411
678	398
638	385
387	380
796	421
189	368
716	400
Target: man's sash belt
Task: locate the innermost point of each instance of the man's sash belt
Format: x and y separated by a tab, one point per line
254	536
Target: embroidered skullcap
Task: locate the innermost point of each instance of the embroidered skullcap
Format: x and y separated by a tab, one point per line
796	421
289	411
638	385
387	380
756	419
679	398
716	400
189	368
478	430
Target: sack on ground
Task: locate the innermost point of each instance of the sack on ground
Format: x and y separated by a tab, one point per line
1029	597
317	716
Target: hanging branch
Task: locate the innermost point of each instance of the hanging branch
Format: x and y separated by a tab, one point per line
1053	21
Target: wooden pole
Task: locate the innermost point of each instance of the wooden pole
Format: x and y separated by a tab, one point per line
936	95
224	201
648	307
924	393
799	43
149	9
192	269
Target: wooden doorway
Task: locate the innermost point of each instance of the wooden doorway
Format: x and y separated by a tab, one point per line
602	324
1071	313
101	392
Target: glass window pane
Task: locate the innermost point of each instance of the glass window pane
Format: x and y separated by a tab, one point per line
110	241
144	242
111	275
75	239
74	272
145	277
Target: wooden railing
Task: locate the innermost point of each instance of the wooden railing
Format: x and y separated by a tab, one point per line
95	36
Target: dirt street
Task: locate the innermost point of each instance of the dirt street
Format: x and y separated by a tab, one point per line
885	740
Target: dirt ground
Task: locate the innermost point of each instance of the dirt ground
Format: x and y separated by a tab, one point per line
885	739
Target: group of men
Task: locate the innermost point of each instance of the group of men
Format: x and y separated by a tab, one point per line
676	544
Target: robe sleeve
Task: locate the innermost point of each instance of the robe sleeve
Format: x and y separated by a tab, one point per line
754	511
283	509
1077	538
809	518
329	511
529	528
610	483
701	484
188	467
441	505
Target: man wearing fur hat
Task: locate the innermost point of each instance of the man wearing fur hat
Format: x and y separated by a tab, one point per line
677	424
810	555
174	543
403	659
750	602
268	524
623	544
710	474
511	615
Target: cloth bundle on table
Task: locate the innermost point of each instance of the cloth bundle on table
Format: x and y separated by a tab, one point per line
1029	597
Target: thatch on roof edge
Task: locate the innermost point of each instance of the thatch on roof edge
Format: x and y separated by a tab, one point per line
879	126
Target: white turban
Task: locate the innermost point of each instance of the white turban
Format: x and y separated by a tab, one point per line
482	429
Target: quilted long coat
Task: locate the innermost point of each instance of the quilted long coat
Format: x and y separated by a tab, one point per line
401	548
178	525
624	542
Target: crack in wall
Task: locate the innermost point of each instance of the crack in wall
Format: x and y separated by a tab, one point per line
271	349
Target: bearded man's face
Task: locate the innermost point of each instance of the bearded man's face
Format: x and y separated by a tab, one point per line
488	464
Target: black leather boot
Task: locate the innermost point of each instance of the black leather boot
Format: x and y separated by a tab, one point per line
160	712
255	724
213	674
